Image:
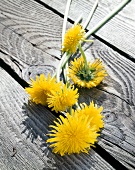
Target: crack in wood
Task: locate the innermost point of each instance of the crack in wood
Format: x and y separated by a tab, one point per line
14	152
129	103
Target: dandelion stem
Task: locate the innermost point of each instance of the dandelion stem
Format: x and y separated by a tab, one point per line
107	18
65	67
63	61
70	110
83	54
59	67
54	75
78	19
65	19
91	14
63	33
77	105
89	41
65	72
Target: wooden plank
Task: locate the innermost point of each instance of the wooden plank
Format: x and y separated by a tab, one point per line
120	81
118	100
116	93
23	129
115	119
28	60
33	24
118	135
25	19
118	32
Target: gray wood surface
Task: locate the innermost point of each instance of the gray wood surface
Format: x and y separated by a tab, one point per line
30	46
23	129
119	31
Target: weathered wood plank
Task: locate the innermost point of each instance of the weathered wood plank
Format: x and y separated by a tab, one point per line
25	19
24	126
117	99
120	81
118	135
114	131
119	32
21	47
116	94
27	59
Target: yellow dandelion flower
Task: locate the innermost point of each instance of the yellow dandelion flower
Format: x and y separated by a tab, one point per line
41	88
94	115
89	76
72	38
63	98
72	135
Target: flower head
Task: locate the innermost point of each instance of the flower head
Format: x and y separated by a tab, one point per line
94	115
72	135
64	98
89	76
72	38
41	88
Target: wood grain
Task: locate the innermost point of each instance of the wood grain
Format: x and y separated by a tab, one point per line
116	93
24	126
120	81
119	31
27	60
34	23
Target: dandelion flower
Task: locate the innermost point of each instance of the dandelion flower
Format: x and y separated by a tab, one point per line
72	38
72	135
41	88
94	114
63	98
86	76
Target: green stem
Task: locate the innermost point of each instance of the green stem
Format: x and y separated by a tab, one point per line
107	18
77	105
54	75
83	54
63	61
65	72
91	14
65	19
70	110
78	19
65	67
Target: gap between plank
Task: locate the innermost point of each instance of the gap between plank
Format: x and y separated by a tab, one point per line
108	158
98	149
97	37
127	56
12	73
